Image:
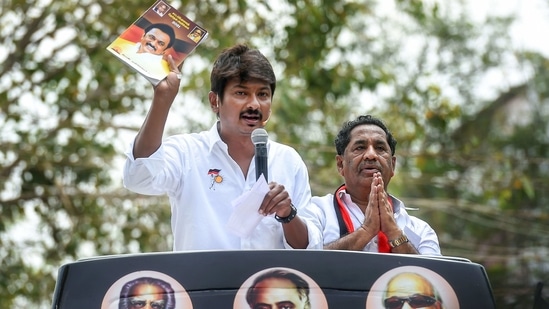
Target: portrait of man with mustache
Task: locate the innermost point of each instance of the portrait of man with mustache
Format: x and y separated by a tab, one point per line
147	54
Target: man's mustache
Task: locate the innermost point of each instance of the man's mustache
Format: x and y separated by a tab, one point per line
252	112
151	46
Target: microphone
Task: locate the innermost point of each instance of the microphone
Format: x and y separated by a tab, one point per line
260	138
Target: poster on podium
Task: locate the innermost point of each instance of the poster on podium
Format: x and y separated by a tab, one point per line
261	279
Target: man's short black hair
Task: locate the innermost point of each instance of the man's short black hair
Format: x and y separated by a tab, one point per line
241	62
343	138
167	29
301	285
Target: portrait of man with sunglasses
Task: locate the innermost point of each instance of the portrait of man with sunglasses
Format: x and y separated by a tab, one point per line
411	290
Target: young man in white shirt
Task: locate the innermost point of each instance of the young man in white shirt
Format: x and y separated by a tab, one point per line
202	173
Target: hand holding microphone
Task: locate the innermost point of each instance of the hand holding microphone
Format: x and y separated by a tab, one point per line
277	193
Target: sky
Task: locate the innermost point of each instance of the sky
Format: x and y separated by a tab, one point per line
532	25
528	33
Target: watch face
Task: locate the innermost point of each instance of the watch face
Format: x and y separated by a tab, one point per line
399	241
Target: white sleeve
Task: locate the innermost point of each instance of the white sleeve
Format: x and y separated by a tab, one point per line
138	174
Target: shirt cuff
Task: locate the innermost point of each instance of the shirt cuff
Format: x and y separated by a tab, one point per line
154	163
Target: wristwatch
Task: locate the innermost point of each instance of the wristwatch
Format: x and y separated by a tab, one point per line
288	218
399	241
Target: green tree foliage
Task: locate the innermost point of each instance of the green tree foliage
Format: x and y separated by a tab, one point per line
475	166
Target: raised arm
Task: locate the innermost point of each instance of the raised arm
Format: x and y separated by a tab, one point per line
149	137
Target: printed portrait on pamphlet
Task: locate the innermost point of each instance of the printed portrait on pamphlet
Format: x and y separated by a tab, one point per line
280	288
147	44
161	8
145	48
146	289
411	287
196	34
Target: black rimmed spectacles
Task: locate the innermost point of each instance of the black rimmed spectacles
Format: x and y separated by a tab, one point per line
415	301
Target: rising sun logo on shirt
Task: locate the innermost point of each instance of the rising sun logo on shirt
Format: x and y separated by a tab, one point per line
216	178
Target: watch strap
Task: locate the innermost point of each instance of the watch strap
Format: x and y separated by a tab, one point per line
399	241
288	218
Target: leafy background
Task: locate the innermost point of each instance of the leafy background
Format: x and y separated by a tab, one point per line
469	110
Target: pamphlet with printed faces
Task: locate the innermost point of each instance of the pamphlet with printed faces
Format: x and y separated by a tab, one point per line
160	31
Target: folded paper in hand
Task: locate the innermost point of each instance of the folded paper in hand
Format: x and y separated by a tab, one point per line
245	216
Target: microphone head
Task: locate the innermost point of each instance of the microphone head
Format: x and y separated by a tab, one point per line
259	136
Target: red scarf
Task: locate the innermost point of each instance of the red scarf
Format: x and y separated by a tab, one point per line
343	213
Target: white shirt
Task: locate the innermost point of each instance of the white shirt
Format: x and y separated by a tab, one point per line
201	180
420	234
151	65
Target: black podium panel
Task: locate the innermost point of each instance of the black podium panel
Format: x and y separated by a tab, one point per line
220	279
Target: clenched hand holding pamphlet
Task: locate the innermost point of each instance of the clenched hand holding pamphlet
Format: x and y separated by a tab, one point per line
160	31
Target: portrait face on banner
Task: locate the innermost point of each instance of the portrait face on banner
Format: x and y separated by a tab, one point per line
280	287
411	287
146	289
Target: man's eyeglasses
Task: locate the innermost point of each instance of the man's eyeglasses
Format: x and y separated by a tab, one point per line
415	301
